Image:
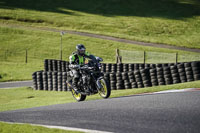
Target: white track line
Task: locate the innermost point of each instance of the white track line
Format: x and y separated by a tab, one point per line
62	128
175	90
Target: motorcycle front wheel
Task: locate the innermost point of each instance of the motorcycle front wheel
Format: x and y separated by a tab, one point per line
105	91
78	96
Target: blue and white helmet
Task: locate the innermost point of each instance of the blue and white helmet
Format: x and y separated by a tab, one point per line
80	49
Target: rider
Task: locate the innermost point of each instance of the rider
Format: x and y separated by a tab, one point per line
76	60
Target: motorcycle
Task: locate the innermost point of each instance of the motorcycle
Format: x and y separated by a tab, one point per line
91	81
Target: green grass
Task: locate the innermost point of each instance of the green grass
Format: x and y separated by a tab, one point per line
20	98
27	97
46	45
27	128
174	22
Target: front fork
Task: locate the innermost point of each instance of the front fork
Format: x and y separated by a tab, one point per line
70	85
98	83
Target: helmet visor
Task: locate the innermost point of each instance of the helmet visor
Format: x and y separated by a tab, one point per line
82	51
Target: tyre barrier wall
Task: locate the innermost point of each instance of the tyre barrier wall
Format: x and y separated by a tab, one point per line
120	76
50	81
56	65
63	66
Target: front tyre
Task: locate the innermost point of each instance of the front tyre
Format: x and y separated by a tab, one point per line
78	96
105	91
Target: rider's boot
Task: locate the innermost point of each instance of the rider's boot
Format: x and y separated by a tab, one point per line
87	91
74	83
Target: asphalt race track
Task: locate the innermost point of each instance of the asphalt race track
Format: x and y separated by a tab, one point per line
16	84
151	113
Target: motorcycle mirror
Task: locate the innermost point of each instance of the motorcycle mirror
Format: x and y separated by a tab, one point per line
99	59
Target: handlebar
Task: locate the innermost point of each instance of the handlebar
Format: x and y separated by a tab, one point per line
86	67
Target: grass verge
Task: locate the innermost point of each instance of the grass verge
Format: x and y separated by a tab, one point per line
44	44
174	22
27	128
19	98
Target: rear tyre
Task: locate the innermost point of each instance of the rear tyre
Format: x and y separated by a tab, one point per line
78	96
105	91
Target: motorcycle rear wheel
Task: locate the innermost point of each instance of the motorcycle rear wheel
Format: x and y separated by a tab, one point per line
78	96
105	91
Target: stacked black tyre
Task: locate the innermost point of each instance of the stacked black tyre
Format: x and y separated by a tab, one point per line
55	79
189	72
103	67
147	66
108	67
59	66
165	65
59	77
39	80
119	67
120	76
56	65
64	79
46	67
146	77
64	66
160	75
153	76
175	74
159	65
50	81
182	73
167	75
136	67
120	81
125	77
34	77
114	68
125	67
138	79
113	81
50	65
196	70
152	66
141	66
132	80
45	80
131	67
